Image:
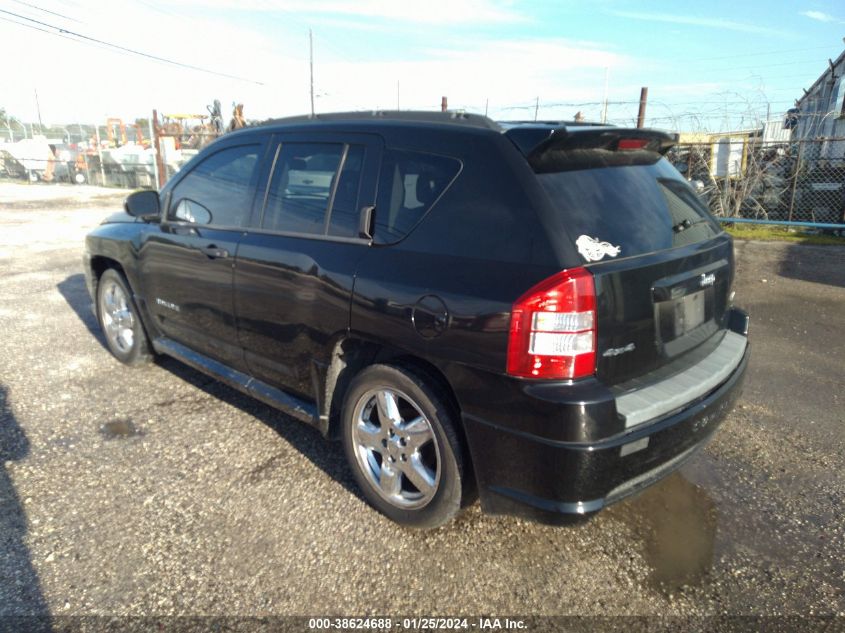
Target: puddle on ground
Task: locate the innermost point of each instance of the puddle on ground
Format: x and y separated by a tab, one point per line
677	522
119	429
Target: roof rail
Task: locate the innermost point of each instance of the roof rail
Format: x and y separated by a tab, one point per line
419	116
555	124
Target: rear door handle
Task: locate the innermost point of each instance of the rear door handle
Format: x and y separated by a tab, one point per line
212	252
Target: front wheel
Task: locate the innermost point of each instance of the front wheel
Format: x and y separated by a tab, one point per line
401	442
120	321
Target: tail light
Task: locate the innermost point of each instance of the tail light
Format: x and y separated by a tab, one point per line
553	328
632	143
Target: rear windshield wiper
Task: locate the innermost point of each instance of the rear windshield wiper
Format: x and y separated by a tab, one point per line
685	224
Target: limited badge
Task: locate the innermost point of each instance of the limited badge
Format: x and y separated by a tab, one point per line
593	250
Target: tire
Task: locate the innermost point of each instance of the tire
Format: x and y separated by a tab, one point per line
120	321
427	475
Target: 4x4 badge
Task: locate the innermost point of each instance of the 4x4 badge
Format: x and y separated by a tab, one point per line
616	351
594	250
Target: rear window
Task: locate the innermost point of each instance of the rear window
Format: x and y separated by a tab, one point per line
630	210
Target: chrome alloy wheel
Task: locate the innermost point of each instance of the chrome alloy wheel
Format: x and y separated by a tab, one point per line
396	448
118	321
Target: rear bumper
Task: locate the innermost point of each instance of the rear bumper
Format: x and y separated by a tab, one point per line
550	480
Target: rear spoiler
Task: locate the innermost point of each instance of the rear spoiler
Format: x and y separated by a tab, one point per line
563	149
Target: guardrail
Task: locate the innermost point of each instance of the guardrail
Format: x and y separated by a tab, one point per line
814	225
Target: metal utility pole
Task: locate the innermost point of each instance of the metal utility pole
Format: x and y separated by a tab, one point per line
38	107
444	104
311	66
100	155
536	107
643	101
153	140
604	101
795	179
161	172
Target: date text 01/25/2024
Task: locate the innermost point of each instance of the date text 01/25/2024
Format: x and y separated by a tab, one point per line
415	624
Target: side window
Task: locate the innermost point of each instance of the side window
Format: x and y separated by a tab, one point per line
189	211
301	186
217	191
346	209
409	183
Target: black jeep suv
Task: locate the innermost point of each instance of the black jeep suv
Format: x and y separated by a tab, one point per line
539	314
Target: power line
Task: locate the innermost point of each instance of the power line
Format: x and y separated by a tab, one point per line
61	15
65	32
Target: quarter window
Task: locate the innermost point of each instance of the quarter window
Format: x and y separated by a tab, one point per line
218	191
409	184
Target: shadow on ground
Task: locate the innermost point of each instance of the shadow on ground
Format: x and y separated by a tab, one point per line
327	455
20	588
75	292
818	264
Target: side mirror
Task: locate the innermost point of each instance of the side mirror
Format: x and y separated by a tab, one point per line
143	204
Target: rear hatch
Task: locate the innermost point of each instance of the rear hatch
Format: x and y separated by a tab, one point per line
662	265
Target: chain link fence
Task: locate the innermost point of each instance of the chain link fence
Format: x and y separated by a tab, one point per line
116	154
136	155
802	181
737	177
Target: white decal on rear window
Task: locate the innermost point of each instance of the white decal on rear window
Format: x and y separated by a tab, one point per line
593	250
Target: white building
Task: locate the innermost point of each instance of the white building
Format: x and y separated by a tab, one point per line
821	111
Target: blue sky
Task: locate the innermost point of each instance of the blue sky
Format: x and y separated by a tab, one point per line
716	66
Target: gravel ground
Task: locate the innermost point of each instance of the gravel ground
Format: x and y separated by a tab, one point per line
158	491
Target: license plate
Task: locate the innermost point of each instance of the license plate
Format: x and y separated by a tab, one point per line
689	312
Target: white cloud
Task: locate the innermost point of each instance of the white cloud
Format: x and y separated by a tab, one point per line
691	89
503	72
821	16
78	82
86	82
443	12
428	12
716	23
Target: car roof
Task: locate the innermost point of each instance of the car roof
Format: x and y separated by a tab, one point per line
524	134
412	118
399	118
